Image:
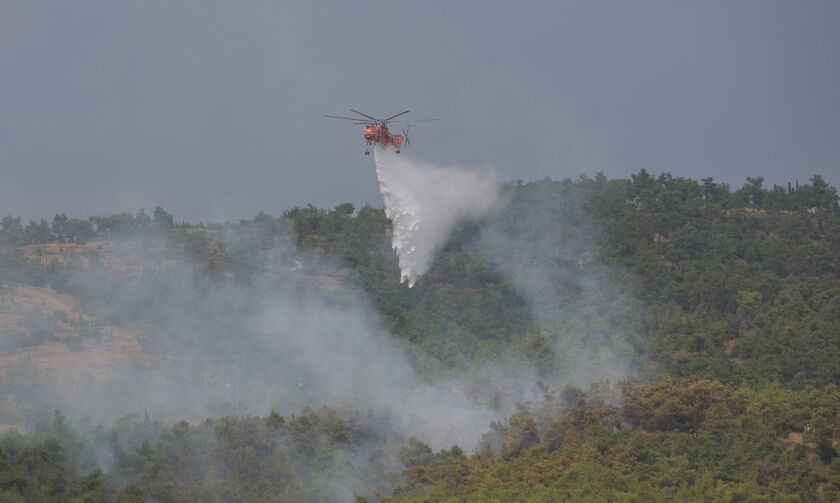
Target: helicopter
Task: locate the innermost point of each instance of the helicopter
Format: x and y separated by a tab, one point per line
376	130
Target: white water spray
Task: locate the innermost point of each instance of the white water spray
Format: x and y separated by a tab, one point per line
424	202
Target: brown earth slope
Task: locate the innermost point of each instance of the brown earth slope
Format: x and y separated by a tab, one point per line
97	359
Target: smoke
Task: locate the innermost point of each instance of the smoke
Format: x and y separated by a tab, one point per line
424	202
542	241
545	245
334	354
300	334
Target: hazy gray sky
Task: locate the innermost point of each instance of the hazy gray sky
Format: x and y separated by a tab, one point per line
213	109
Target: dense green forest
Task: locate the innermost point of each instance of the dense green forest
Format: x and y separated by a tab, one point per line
692	441
684	338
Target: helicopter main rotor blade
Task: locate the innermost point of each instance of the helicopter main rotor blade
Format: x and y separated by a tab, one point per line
394	116
412	121
346	118
366	115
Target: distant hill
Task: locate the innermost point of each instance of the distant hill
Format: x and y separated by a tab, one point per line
633	320
665	274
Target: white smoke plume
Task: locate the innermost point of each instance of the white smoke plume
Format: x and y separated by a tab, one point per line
296	336
424	202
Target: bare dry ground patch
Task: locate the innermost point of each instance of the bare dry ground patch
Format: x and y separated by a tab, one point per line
87	367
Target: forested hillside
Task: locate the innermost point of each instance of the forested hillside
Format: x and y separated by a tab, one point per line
650	339
701	281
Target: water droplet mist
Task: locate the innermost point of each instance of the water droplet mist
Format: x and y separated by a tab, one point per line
424	202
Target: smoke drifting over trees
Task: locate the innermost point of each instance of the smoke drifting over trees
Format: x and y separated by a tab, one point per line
322	371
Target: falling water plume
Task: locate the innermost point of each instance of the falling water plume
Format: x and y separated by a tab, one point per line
424	202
